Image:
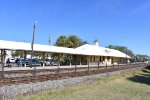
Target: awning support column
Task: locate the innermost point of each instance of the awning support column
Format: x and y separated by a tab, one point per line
25	53
43	59
70	56
80	61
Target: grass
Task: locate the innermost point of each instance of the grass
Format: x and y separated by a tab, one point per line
130	86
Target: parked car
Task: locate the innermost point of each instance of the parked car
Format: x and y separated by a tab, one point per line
36	62
19	62
22	62
54	62
47	62
51	62
12	60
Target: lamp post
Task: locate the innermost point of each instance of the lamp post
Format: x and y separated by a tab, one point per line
33	34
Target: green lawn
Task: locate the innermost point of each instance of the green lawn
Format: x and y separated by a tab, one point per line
130	86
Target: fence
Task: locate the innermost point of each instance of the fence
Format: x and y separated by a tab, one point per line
36	75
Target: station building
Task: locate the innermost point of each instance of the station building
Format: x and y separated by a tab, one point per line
94	54
83	55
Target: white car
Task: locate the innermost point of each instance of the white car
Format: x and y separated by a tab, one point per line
12	60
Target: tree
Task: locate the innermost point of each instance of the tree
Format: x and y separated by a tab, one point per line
73	41
83	42
38	54
141	56
17	54
20	54
61	41
122	49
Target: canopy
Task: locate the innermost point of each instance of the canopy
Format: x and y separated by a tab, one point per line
82	50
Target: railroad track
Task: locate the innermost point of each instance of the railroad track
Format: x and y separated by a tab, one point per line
60	73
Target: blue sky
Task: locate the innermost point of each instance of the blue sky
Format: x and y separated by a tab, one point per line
116	22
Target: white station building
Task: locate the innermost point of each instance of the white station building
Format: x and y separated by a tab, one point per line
83	55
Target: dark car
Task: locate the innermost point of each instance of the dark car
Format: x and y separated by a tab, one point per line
19	61
25	61
36	62
54	62
22	62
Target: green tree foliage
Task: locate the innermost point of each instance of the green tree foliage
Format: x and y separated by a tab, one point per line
17	54
122	49
38	54
142	56
83	42
61	41
20	54
71	41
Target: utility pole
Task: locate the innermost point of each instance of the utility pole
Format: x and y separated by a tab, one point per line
32	52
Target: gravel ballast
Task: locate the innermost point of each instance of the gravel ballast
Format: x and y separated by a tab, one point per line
14	90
